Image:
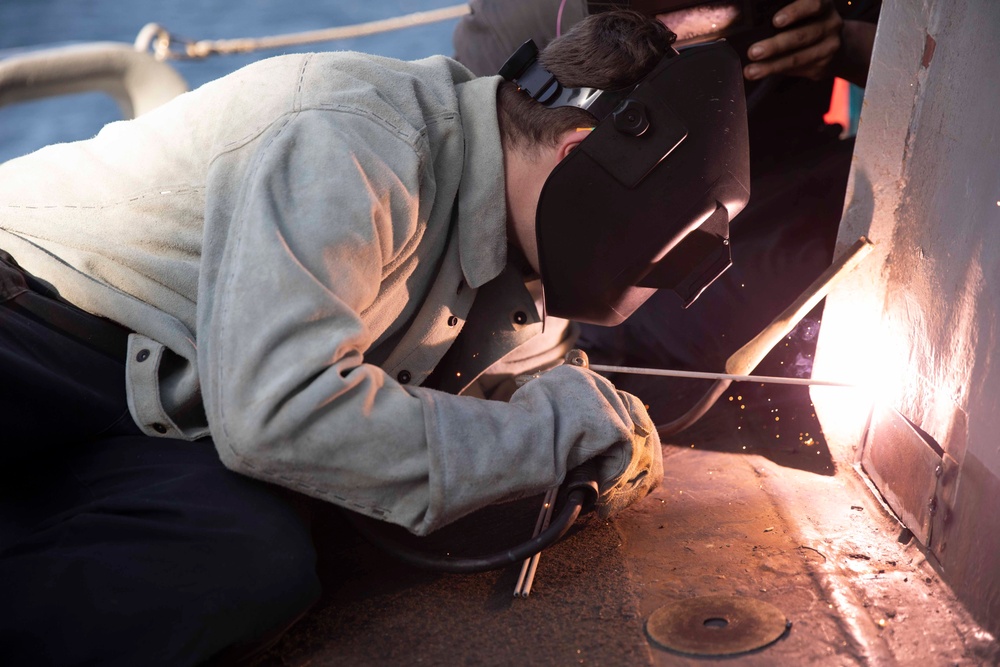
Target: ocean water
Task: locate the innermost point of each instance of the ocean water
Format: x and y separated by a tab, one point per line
27	24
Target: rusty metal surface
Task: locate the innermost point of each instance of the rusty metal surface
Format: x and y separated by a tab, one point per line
716	625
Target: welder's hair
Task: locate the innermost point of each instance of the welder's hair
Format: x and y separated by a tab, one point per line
609	50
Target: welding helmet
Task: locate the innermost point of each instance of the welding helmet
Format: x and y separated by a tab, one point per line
644	202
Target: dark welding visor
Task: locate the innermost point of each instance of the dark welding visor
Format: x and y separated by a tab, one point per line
644	202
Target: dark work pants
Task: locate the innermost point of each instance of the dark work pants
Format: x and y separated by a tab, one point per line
117	548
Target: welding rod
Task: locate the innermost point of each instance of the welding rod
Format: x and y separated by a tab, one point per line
701	375
738	366
747	357
538	529
527	576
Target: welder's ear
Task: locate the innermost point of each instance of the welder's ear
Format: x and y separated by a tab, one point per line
571	139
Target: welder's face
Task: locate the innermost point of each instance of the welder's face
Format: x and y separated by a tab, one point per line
524	192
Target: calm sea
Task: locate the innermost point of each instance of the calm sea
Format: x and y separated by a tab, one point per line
31	23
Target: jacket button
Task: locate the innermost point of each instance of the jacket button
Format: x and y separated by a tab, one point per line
159	428
142	356
452	321
403	377
520	317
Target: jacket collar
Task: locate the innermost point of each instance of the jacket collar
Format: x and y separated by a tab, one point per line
482	202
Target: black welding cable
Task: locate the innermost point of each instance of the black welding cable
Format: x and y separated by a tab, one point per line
581	494
469	565
696	412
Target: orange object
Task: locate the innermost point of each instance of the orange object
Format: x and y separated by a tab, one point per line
840	104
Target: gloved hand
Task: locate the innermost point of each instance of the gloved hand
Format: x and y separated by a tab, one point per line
629	470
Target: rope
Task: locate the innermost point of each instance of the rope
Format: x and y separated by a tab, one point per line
168	47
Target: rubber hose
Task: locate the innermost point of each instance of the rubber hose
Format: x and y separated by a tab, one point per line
575	501
696	412
581	494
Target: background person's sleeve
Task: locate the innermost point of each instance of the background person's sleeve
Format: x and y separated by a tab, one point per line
484	39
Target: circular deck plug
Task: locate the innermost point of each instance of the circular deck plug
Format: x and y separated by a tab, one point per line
716	625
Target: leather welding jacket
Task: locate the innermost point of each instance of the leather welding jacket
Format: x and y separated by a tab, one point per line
296	247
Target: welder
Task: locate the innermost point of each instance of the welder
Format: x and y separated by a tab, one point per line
790	50
303	283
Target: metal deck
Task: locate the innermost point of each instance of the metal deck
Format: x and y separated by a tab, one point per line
750	506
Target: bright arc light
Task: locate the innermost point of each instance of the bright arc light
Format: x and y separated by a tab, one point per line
877	363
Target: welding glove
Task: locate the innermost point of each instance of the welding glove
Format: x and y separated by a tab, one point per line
629	470
592	421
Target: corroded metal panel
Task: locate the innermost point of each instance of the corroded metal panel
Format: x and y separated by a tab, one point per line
903	463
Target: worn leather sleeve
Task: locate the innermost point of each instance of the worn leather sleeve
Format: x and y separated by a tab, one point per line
289	396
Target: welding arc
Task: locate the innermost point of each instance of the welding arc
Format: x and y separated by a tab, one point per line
701	375
745	359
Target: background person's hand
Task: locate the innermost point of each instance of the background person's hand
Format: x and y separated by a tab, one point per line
811	35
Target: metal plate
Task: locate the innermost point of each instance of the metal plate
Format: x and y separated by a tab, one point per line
716	625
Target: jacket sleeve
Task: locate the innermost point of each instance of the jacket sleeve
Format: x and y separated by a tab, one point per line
288	395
